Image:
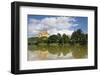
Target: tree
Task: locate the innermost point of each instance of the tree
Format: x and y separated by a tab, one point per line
59	35
53	39
78	37
84	39
65	38
43	39
59	38
33	40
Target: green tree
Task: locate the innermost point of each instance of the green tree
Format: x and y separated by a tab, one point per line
53	39
43	39
33	40
60	40
65	38
78	37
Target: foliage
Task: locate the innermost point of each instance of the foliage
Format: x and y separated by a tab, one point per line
33	40
77	37
65	38
53	39
43	39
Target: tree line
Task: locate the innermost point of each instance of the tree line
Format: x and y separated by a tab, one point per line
77	37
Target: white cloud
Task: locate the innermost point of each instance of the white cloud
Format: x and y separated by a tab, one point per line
53	25
54	31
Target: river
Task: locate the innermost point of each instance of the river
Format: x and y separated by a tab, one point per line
56	52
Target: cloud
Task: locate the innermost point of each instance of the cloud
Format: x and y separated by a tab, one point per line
53	25
54	31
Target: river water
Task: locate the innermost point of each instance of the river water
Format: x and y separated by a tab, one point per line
56	52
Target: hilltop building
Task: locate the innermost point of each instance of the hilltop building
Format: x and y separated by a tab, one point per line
43	34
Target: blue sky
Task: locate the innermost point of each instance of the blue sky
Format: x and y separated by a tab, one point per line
55	24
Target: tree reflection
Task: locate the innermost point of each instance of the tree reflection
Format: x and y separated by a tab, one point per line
78	51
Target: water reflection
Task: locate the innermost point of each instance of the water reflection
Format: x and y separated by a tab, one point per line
52	52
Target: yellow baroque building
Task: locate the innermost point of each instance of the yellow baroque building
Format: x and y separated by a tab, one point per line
43	34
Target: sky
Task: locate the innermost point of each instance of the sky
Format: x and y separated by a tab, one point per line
55	24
